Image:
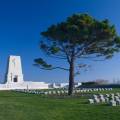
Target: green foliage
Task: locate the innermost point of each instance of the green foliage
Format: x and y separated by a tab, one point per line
81	36
89	83
41	62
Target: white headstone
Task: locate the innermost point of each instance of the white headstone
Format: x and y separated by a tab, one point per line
112	103
91	101
97	100
14	70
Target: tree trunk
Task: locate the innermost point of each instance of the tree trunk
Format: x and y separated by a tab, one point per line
71	77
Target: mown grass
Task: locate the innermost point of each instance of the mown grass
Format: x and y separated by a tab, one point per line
20	106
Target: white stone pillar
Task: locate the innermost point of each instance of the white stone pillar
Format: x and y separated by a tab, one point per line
14	70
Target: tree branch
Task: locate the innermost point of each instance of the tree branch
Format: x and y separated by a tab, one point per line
52	68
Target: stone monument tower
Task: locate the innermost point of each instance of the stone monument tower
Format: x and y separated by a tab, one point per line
14	70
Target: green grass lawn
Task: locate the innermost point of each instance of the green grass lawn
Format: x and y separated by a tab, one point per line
19	106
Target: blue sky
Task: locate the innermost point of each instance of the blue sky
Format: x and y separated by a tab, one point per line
21	22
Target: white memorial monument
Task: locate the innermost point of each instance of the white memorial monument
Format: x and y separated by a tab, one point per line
14	77
14	73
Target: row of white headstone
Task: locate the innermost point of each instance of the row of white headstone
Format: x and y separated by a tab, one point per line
111	99
63	91
29	91
92	89
49	92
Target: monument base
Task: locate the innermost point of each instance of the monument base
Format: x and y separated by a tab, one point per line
24	85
